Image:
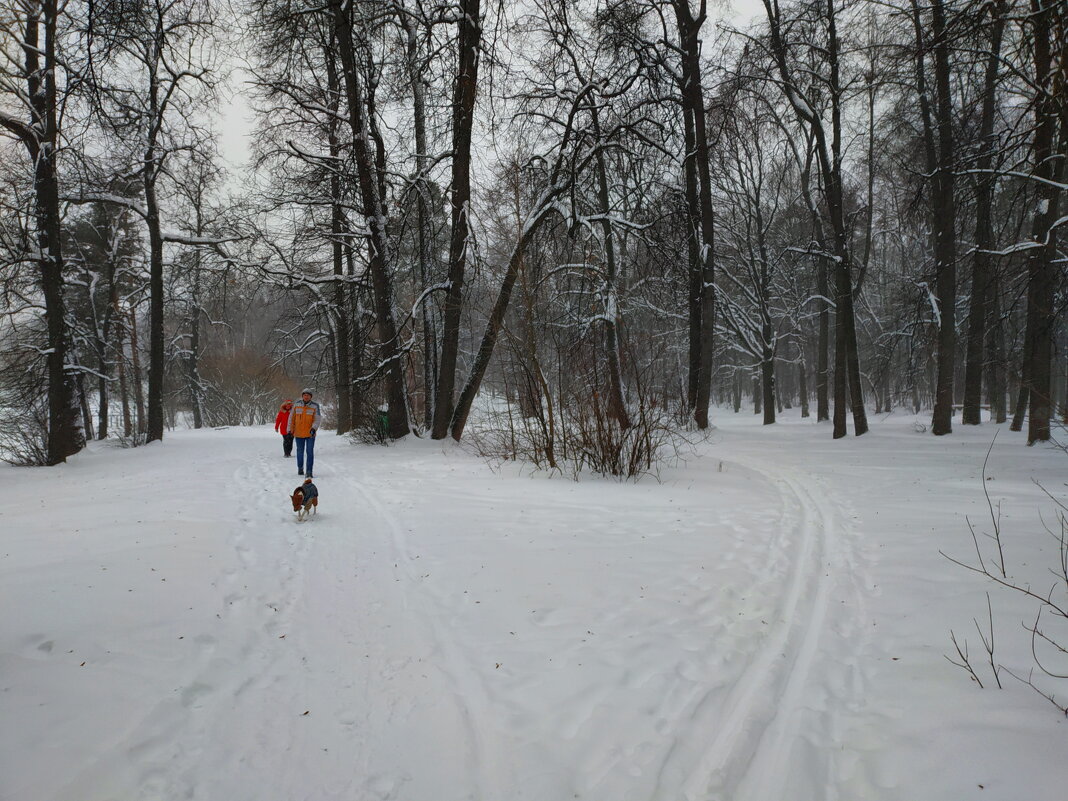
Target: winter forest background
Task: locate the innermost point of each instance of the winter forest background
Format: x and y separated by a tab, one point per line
605	217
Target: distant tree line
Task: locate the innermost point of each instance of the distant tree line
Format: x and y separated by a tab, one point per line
597	213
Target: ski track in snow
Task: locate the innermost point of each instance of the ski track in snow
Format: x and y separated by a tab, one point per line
763	727
467	694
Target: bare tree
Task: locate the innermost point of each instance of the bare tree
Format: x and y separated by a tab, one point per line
33	29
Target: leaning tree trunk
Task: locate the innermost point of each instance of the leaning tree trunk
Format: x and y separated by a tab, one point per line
542	212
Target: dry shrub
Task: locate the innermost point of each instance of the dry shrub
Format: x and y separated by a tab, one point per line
577	434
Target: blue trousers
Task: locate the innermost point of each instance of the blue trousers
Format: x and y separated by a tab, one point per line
305	444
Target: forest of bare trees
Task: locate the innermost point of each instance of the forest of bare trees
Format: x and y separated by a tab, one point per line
579	223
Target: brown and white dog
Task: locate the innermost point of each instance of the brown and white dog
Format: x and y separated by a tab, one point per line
305	500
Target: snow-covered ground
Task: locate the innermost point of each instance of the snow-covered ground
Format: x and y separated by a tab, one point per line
769	621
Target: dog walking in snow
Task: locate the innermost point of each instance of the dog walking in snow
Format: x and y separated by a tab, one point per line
305	500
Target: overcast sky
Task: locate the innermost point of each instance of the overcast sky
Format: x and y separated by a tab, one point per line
236	118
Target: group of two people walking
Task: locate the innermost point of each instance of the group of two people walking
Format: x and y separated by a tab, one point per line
299	422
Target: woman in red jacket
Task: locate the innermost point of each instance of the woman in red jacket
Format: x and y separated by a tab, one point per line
281	425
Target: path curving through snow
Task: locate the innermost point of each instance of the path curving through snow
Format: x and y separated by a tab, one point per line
442	631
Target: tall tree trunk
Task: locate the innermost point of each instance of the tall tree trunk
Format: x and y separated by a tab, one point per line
617	407
767	375
156	353
422	215
997	380
939	153
693	252
1050	84
151	170
368	152
463	110
979	310
138	377
83	402
65	435
847	360
699	197
104	340
338	241
823	289
120	352
194	387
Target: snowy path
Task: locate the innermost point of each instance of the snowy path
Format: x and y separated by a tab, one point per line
444	632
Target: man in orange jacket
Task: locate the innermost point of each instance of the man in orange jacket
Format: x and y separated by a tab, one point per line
303	423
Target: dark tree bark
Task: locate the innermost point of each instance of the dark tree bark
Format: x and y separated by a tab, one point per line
939	149
338	242
823	289
979	310
40	136
995	347
767	374
120	351
103	362
1047	20
422	216
701	216
369	155
156	354
617	407
463	110
138	376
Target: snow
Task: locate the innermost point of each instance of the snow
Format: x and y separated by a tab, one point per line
769	620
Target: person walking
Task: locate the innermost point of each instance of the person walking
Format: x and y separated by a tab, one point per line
303	423
281	425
